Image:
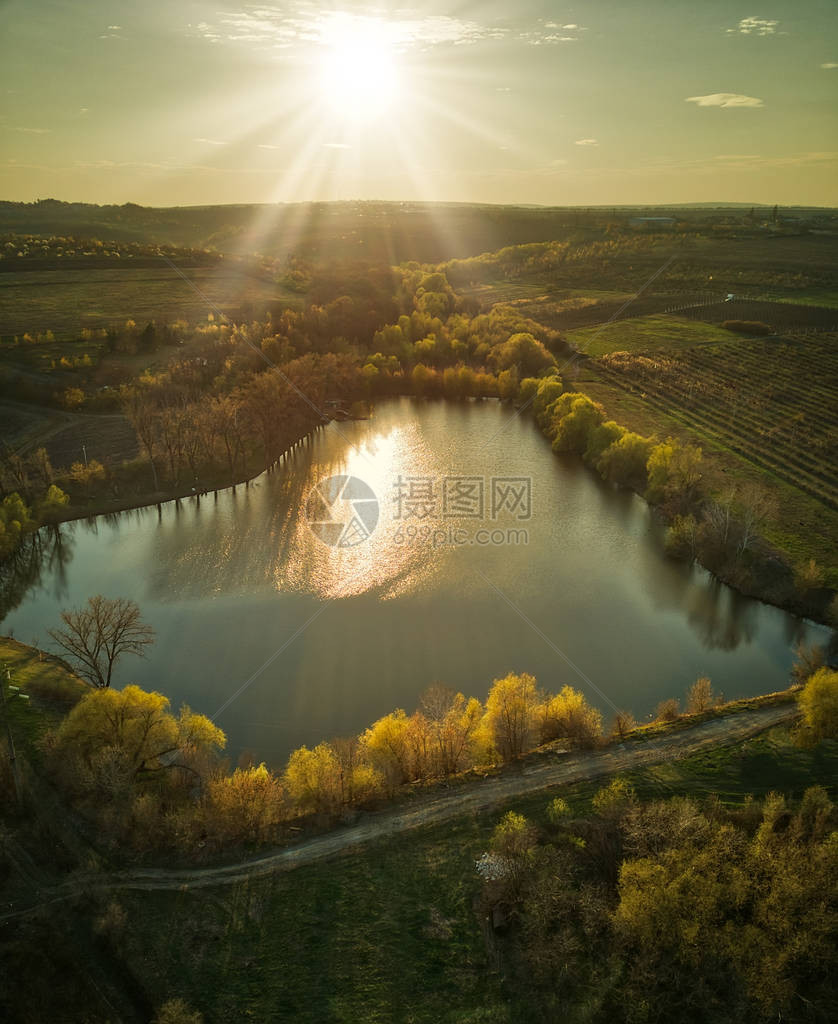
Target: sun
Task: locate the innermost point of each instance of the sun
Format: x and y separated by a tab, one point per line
359	76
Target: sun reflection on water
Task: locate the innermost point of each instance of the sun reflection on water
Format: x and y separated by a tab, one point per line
378	564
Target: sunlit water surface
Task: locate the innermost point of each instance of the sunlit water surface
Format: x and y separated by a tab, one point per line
291	640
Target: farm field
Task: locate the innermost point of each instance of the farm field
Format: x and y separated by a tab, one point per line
654	333
65	301
774	401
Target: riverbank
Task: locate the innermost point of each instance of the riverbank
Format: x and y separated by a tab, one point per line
767	576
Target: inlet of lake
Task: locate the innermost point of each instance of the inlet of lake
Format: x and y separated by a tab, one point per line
488	554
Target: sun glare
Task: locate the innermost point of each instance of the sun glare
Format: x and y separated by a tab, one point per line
359	75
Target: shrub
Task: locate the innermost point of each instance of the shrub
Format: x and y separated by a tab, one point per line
667	711
748	327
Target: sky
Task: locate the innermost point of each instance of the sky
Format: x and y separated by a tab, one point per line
605	102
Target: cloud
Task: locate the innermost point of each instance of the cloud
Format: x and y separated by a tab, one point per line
267	145
755	27
336	145
299	23
829	65
725	99
587	142
552	32
210	142
25	130
738	156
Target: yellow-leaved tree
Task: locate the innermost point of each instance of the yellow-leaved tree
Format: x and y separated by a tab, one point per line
512	714
118	736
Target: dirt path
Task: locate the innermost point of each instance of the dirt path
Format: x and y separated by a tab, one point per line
471	798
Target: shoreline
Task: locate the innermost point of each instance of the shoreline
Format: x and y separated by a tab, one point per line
248	476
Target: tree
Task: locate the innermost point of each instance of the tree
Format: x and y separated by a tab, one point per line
568	715
96	636
575	417
818	702
624	461
453	721
674	471
313	779
700	696
52	504
757	506
809	658
84	474
132	731
511	713
141	409
386	745
512	843
525	352
624	723
246	805
667	710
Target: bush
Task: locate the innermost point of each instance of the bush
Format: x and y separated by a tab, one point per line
818	702
748	327
667	711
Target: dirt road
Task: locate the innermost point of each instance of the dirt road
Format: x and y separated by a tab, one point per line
474	797
470	798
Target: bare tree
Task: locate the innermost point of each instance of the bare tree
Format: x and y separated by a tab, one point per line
757	506
624	722
96	636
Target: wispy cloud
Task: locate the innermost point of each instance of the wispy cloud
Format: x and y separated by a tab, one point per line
210	142
267	145
755	27
300	23
336	145
25	130
725	99
587	142
829	66
551	32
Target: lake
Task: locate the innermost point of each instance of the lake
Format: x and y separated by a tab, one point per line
434	542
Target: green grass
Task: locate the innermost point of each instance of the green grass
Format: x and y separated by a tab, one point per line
658	333
52	690
390	932
811	297
43	676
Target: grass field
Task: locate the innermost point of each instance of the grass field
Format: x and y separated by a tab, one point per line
645	334
391	933
65	301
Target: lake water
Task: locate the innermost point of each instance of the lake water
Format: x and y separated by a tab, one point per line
489	554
